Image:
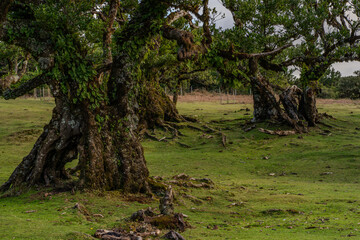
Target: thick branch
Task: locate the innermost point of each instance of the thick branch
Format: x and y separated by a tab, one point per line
271	66
25	87
104	68
188	48
206	27
175	16
109	30
4	8
231	55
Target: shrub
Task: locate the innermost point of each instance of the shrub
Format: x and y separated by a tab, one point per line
349	87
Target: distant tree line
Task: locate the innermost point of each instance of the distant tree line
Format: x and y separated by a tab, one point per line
333	85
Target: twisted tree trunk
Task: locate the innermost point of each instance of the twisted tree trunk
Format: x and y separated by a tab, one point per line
56	146
265	104
290	99
110	154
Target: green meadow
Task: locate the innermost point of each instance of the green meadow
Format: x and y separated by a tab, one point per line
265	187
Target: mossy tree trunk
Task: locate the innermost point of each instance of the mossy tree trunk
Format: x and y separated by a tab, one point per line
109	152
103	136
156	107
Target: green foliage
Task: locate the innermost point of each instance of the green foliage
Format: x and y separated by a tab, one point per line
349	87
325	36
330	78
328	92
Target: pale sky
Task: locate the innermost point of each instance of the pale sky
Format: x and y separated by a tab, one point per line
346	68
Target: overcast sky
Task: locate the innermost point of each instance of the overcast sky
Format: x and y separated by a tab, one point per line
345	68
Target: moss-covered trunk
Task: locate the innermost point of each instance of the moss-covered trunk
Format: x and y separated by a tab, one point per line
156	107
109	152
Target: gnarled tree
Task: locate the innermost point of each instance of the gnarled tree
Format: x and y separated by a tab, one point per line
96	118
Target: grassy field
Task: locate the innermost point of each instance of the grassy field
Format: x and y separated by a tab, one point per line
266	187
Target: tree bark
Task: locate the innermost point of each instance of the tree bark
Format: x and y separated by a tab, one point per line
265	103
290	99
56	146
156	107
307	106
110	154
104	139
4	8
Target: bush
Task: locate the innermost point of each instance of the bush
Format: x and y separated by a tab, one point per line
349	87
328	92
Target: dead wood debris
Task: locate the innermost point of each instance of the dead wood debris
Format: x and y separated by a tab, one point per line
184	180
223	139
82	209
148	224
173	235
167	202
278	132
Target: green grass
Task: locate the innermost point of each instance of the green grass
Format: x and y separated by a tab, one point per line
330	204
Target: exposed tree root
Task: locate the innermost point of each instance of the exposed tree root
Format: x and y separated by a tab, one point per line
195	128
324	124
325	115
248	129
152	137
190	119
183	144
209	129
45	165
